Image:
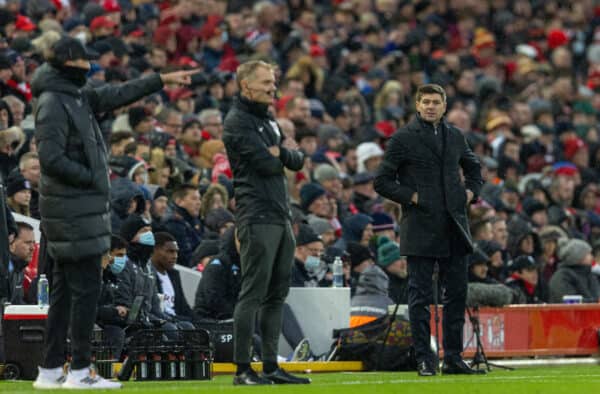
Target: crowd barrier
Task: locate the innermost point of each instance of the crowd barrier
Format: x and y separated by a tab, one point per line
535	330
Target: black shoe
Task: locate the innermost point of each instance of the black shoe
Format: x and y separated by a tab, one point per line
279	376
460	368
250	378
425	369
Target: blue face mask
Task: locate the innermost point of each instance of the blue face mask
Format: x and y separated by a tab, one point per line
312	263
118	264
147	238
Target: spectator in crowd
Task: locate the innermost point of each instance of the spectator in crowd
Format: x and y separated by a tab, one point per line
384	226
18	193
126	199
394	265
308	270
360	258
29	166
484	290
371	299
11	141
324	229
356	228
21	252
184	223
217	221
496	268
168	280
574	276
523	279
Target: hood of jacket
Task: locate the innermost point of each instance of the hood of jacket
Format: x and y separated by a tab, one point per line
227	247
373	280
121	193
51	79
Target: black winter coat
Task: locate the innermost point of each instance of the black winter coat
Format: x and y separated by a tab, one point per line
413	163
258	177
107	308
220	285
187	230
74	185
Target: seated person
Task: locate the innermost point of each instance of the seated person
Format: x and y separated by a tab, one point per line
371	300
137	278
360	259
168	281
308	270
220	284
523	280
111	317
574	274
218	292
395	266
483	289
21	251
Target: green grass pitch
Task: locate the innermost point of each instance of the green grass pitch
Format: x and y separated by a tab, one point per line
545	380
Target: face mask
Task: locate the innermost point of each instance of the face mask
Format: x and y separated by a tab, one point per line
147	238
82	36
118	264
312	263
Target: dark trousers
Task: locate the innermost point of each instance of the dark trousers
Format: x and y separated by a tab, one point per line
266	254
73	302
453	280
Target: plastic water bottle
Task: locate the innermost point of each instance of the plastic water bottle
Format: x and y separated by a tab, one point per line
43	295
338	272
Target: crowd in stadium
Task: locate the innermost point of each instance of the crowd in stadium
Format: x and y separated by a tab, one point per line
523	84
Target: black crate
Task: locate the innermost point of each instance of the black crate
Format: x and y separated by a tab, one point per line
221	335
151	356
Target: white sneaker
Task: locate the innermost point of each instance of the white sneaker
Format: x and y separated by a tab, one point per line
49	379
88	379
302	351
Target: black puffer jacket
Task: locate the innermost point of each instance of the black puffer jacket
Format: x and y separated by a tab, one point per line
258	176
74	185
219	287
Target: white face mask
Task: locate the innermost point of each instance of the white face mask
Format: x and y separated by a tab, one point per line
312	263
82	36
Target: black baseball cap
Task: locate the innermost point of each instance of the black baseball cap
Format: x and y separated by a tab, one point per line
69	48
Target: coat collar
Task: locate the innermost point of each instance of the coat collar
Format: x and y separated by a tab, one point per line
425	133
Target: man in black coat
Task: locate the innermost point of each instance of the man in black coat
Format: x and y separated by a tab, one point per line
421	171
74	199
258	154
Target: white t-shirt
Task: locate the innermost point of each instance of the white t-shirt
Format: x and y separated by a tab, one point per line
169	293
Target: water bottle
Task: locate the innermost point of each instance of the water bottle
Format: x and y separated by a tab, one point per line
338	272
42	295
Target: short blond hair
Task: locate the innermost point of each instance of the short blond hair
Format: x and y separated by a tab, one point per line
246	70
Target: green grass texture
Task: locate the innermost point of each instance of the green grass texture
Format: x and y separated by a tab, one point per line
544	380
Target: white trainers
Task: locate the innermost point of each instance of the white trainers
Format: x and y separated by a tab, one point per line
302	351
88	379
49	379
